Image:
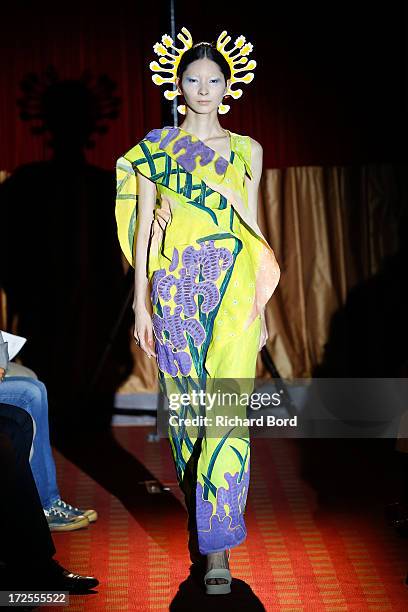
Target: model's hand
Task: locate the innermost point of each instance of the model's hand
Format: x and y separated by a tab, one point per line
143	331
2	374
163	215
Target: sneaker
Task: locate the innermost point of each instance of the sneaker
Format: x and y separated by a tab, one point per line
90	514
61	521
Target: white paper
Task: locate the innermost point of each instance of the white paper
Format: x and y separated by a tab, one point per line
15	343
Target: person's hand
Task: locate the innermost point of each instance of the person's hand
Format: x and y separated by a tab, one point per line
264	332
143	331
2	374
163	214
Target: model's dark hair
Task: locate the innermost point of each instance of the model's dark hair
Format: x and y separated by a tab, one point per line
204	50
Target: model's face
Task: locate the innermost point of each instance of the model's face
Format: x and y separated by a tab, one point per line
203	85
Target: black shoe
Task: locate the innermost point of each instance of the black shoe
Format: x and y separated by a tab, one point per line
52	577
75	583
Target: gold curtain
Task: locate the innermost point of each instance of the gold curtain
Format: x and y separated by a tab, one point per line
330	228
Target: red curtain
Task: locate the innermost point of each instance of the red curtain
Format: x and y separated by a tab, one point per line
330	86
104	38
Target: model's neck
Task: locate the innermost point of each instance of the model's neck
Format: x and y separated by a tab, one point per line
202	126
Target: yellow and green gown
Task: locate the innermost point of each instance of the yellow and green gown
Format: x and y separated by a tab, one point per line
211	272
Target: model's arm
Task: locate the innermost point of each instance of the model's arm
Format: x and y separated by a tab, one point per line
253	194
253	184
145	216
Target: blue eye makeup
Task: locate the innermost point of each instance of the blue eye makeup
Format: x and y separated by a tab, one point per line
193	80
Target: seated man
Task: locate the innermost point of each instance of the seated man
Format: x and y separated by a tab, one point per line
26	546
31	395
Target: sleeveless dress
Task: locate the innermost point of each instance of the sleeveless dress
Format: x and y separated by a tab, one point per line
211	272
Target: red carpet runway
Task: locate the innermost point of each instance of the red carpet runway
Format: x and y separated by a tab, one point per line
317	538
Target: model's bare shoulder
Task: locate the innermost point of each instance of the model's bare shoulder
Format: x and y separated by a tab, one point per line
256	157
256	148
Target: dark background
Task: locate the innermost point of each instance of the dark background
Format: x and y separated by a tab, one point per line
330	86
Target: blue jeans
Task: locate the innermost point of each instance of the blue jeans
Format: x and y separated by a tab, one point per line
31	395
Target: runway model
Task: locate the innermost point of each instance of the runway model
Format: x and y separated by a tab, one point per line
186	212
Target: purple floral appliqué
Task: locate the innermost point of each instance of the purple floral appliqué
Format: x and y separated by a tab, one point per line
172	362
154	135
210	261
221	165
175	326
157	276
225	527
174	260
209	257
171	135
193	150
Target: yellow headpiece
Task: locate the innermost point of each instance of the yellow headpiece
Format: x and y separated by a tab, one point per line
170	57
